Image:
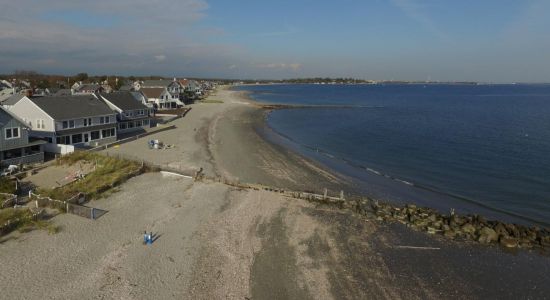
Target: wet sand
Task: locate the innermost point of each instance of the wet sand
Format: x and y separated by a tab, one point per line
217	242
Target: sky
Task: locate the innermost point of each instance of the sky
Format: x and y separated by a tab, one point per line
487	40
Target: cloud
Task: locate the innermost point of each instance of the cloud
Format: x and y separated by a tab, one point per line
138	36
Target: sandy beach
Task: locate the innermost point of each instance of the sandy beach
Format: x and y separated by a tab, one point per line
219	242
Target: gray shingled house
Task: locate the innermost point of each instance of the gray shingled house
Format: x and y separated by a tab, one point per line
71	120
132	115
15	145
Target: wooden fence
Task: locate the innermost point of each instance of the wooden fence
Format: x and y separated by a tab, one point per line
10	225
10	201
68	206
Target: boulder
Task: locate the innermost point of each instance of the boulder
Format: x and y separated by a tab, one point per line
487	235
512	230
509	242
468	228
431	230
449	234
500	229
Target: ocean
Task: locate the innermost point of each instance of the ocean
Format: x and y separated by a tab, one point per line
477	148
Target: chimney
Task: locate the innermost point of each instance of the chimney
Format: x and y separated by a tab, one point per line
28	93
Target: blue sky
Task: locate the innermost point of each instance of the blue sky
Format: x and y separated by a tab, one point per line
494	41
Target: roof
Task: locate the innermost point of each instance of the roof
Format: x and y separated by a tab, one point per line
13	116
13	99
126	87
88	87
157	83
72	107
63	92
123	100
152	92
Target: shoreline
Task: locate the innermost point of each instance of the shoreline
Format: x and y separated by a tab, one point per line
463	206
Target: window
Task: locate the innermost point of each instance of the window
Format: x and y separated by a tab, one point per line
71	124
122	126
65	125
77	138
138	123
130	124
94	135
63	140
107	120
40	124
12	133
108	132
101	120
146	122
49	140
88	122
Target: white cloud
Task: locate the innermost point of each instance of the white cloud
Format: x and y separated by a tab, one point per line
141	33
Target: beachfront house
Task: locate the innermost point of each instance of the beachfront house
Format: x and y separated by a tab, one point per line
168	98
79	121
16	147
132	115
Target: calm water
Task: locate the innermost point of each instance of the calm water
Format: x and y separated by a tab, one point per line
487	144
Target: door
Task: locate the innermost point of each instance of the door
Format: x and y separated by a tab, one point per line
86	138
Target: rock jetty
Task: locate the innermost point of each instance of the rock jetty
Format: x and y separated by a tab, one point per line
468	227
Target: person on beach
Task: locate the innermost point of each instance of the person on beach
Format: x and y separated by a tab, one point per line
145	237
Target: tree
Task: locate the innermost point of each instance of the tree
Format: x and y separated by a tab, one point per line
81	76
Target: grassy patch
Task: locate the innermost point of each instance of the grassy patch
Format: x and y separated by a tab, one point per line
7	185
11	213
212	101
24	222
109	172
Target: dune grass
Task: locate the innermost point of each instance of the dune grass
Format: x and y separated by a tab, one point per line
7	185
22	218
109	172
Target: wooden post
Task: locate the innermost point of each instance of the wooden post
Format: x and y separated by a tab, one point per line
325	194
341	195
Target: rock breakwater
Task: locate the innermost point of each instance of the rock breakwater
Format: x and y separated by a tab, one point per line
458	227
